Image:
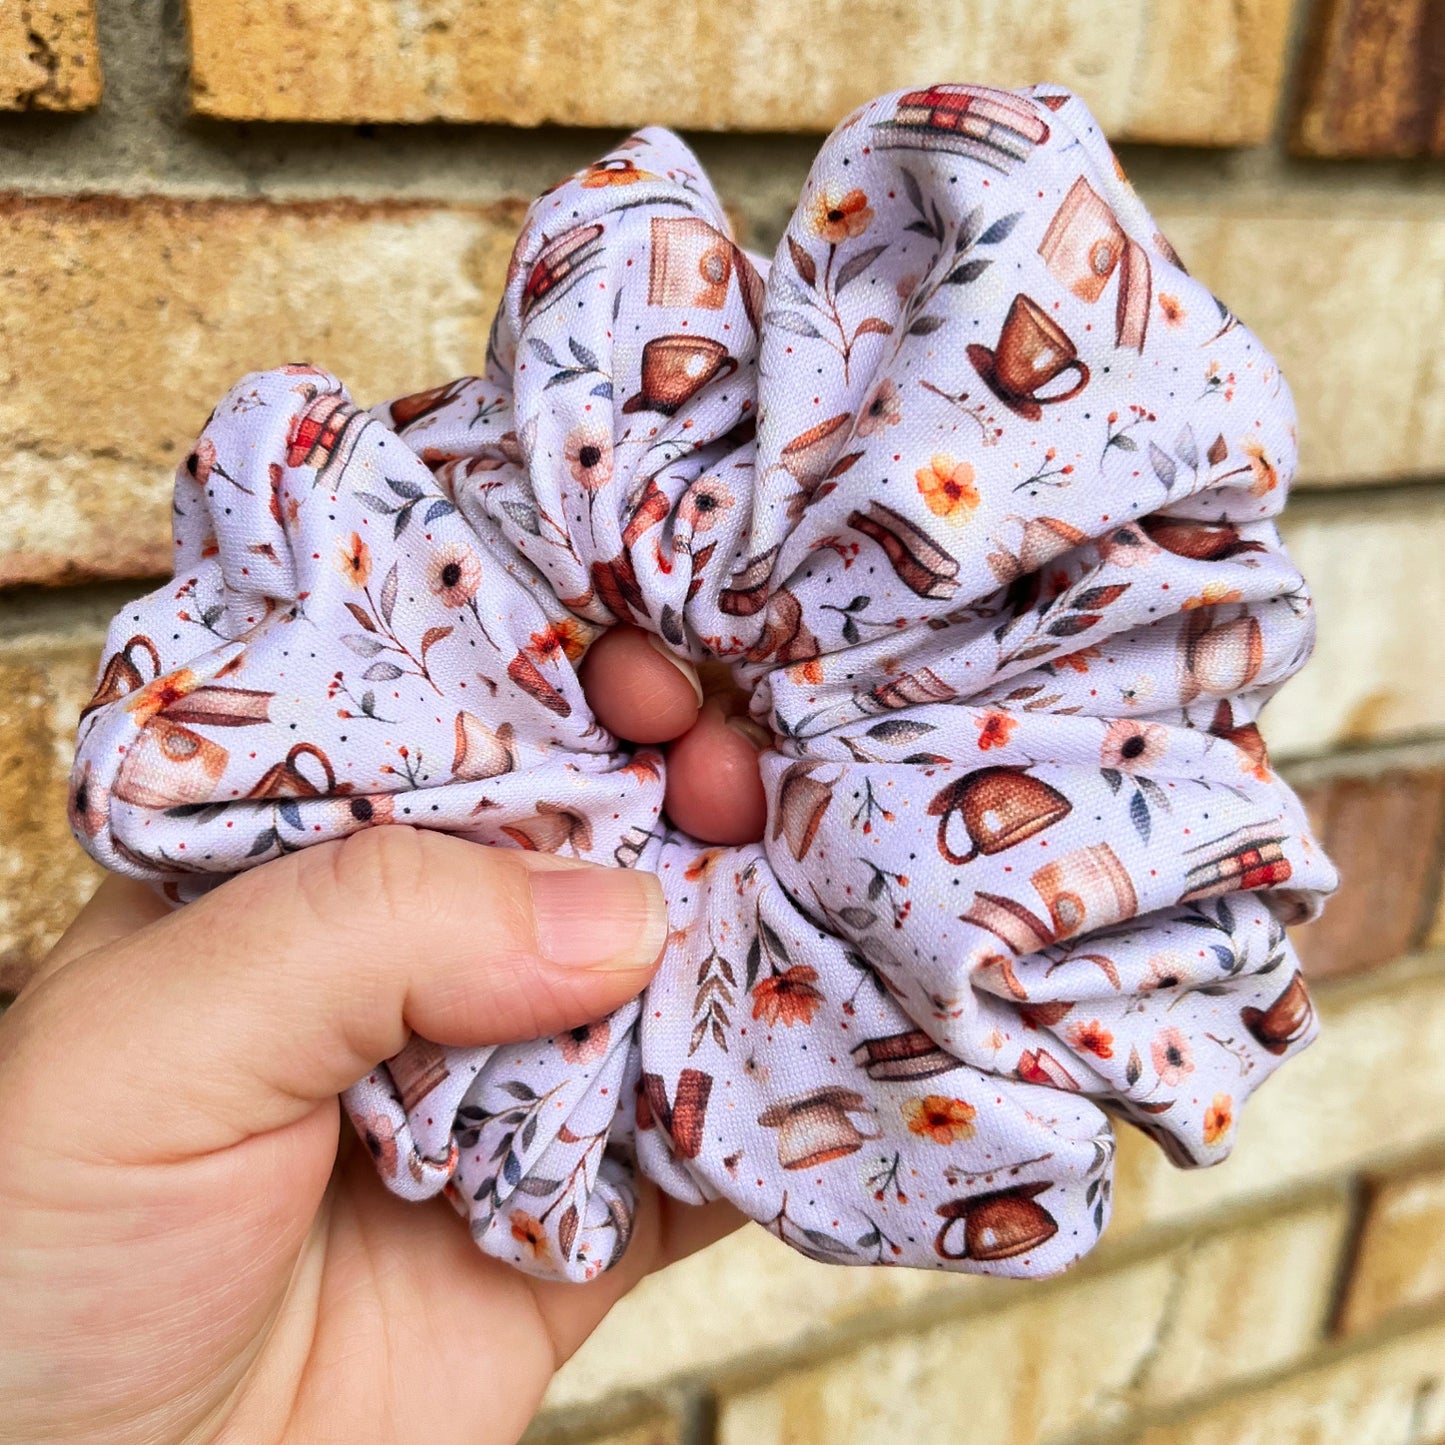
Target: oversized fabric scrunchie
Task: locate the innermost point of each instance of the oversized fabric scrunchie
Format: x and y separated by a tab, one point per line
972	488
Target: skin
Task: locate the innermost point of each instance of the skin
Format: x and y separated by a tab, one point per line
193	1245
714	791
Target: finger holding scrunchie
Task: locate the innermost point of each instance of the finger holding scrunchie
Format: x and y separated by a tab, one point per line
972	489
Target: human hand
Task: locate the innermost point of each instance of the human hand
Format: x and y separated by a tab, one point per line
192	1247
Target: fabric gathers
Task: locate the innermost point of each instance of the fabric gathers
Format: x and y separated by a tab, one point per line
973	488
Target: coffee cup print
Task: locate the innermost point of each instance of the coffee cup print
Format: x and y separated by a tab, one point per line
123	676
999	808
1033	352
675	369
170	766
690	265
999	1225
816	1128
420	1067
287	779
1287	1020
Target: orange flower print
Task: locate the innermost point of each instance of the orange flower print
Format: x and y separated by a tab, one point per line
1079	661
1172	1058
588	451
994	729
1266	479
1253	755
380	1140
702	865
454	574
619	171
365	811
569	637
787	998
85	805
528	1230
1174	312
838	218
939	1119
1213	594
703	504
1133	747
1218	1118
353	560
585	1044
201	461
155	697
882	409
948	489
1092	1038
644	767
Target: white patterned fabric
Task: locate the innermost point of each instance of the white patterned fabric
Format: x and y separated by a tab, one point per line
973	487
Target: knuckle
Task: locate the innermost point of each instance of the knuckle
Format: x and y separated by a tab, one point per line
376	873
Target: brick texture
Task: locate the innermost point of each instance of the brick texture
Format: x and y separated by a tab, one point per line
1041	1379
44	877
1373	1087
1376	82
1400	1259
1296	1293
1393	1394
1195	1317
762	1297
49	59
1352	307
1378	671
1370	1092
661	1431
165	303
123	321
1152	69
1246	1301
1385	835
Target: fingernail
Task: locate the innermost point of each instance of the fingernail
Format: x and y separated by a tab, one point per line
756	734
680	663
598	917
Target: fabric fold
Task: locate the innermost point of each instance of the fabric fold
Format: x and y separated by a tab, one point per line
973	488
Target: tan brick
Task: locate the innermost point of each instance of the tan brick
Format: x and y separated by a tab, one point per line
1370	1092
1246	1301
1027	1373
1436	936
1384	834
761	1297
49	57
1150	71
1224	1307
1378	672
1372	1089
1401	1257
44	877
1393	1394
1352	306
664	1430
123	321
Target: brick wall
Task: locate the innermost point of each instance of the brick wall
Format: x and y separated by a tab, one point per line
263	181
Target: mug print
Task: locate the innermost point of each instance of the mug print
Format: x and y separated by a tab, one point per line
973	489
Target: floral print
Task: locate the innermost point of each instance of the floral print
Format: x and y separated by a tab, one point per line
973	491
939	1119
947	488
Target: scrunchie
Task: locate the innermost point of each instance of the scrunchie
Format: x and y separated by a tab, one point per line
972	488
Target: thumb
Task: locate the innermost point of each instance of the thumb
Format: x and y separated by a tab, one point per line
242	1012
